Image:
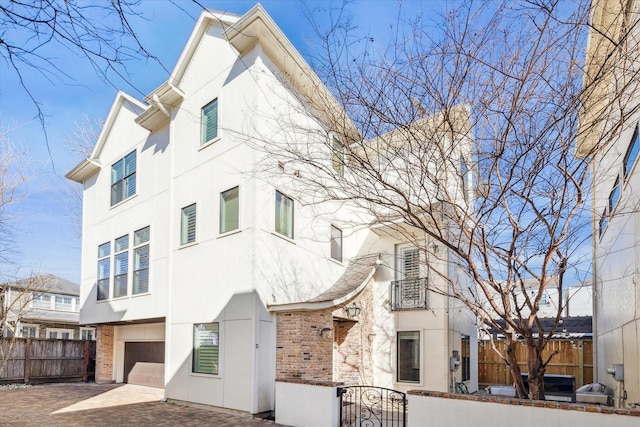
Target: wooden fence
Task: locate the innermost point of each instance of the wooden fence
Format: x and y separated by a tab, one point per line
573	358
35	360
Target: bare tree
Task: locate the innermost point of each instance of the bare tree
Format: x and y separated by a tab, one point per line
15	304
511	210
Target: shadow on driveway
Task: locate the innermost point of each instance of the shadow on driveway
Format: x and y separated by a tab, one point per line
94	405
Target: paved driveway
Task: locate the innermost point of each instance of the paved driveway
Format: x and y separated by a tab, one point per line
112	405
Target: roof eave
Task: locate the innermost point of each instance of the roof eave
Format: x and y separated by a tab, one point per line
84	170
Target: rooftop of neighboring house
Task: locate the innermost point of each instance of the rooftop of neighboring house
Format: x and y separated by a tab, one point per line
570	328
46	283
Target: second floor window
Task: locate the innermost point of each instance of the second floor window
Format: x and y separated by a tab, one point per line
123	178
104	270
631	155
209	122
188	227
284	215
336	243
121	266
141	261
229	210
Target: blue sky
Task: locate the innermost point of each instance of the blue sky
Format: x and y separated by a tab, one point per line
46	238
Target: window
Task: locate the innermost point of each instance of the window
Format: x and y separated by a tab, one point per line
87	334
408	269
284	215
409	356
42	301
60	334
141	260
614	196
603	223
336	243
337	158
123	178
121	266
188	229
229	210
206	338
104	270
209	122
64	303
631	154
465	354
29	331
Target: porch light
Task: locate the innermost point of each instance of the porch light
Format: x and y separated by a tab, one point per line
352	310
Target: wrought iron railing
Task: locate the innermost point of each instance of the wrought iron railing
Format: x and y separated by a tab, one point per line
364	406
409	294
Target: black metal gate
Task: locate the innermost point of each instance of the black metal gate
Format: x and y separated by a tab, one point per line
365	406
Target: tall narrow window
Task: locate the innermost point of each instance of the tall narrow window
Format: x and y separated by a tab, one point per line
337	157
631	154
602	223
104	270
284	215
408	271
336	243
229	210
209	122
188	229
465	354
121	266
206	345
141	261
123	178
409	356
614	196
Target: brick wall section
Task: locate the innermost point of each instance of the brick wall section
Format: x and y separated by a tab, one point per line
104	353
301	352
353	347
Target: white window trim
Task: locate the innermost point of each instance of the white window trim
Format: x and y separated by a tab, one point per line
20	325
421	359
60	331
92	330
220	352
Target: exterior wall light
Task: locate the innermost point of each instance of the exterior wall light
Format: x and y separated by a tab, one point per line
352	310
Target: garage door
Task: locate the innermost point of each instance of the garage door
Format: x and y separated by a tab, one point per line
144	363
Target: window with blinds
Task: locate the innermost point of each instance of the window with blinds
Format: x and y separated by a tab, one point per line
206	348
104	270
188	228
229	210
121	266
123	178
209	122
284	215
408	265
141	260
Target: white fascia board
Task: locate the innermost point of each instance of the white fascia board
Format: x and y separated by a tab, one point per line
84	170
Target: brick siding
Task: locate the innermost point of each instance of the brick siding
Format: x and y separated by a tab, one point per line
301	352
104	354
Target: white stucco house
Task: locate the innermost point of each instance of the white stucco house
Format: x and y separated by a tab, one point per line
615	182
199	267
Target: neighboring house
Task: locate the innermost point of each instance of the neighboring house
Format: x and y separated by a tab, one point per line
576	300
615	181
213	276
42	307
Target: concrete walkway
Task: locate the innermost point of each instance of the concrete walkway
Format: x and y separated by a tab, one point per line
96	405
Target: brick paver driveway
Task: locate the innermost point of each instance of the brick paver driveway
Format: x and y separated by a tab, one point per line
112	405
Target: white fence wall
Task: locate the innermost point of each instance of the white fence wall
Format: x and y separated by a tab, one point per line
427	409
307	405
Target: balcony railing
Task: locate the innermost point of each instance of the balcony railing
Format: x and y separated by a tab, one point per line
409	294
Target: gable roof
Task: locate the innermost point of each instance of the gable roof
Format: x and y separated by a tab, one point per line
47	283
244	32
88	167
